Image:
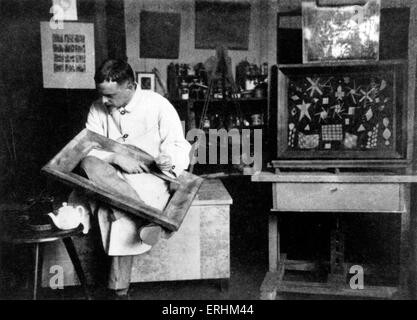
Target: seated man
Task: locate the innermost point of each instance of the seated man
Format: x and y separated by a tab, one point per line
146	120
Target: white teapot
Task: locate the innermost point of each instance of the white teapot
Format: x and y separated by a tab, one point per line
69	217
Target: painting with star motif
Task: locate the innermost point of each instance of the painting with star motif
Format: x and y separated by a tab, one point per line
339	112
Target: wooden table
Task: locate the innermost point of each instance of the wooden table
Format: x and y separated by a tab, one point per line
343	193
21	234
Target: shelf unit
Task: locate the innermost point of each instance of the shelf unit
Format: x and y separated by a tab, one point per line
192	109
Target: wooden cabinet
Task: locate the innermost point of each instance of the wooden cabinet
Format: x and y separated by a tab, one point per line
200	249
344	194
342	153
338	197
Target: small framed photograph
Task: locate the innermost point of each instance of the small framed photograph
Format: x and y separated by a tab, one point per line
146	80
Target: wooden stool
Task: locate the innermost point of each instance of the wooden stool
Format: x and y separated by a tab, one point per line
25	235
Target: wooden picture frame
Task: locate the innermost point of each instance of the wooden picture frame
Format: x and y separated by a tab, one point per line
146	80
62	166
288	155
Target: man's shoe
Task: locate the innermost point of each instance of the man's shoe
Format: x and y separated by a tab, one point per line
150	234
122	297
118	295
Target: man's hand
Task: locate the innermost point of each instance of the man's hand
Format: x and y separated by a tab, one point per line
164	162
129	164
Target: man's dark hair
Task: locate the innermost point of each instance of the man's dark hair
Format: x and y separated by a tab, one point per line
114	70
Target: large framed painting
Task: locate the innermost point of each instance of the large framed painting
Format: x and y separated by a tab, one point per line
68	58
221	23
159	35
183	189
340	32
355	112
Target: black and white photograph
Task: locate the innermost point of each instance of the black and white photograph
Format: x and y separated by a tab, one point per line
59	58
80	67
208	154
59	67
57	38
58	47
69	38
146	80
80	58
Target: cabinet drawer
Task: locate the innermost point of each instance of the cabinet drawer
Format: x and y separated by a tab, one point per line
345	197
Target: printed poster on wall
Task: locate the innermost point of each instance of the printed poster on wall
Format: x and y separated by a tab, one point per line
68	59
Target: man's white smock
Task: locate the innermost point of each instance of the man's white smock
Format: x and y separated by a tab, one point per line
150	123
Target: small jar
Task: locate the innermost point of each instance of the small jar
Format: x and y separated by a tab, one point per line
206	123
185	92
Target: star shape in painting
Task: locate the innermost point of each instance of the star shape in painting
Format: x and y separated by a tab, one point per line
338	110
323	115
315	86
354	92
303	107
367	95
328	85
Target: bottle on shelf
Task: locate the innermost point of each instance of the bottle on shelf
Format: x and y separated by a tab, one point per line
206	123
264	69
218	91
192	122
184	91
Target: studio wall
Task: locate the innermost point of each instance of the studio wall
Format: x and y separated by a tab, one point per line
261	30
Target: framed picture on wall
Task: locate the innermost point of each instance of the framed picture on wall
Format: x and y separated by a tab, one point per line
68	58
220	23
146	80
348	32
159	35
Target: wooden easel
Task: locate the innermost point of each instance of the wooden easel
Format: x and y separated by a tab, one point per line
218	67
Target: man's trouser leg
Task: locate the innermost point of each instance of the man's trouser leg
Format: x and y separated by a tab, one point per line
120	272
105	176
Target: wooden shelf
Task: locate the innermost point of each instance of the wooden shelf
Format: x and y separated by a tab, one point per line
345	63
239	128
320	177
219	100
